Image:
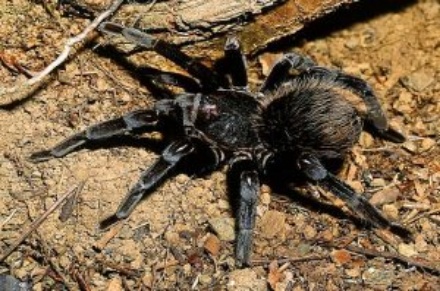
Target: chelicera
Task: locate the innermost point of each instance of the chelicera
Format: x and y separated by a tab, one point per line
302	117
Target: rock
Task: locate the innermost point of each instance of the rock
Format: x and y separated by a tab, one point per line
385	196
355	272
366	140
427	144
172	237
265	195
391	211
408	250
223	204
245	280
224	228
410	146
419	80
148	279
115	285
273	224
309	232
378	182
182	179
378	277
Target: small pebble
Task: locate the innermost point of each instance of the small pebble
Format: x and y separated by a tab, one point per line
115	285
427	144
385	196
407	250
378	277
309	232
391	211
224	228
273	224
246	279
410	146
378	182
419	80
265	196
223	204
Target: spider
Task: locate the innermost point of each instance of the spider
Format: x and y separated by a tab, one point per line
303	117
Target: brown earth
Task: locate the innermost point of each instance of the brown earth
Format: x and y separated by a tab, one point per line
170	241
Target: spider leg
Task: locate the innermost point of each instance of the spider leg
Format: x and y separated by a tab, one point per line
243	168
235	63
315	171
171	157
169	78
375	119
140	119
207	77
280	71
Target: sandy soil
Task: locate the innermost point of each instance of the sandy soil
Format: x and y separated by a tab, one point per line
181	237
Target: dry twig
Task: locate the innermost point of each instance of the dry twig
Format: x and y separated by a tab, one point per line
22	90
291	260
4	222
395	257
39	221
426	214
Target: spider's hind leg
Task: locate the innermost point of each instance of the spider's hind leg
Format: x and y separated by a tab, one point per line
315	171
375	119
136	120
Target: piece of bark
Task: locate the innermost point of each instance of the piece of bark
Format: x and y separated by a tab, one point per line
256	23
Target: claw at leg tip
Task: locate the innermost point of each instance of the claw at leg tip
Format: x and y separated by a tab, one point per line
40	156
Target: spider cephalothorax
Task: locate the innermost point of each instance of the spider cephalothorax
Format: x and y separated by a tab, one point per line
302	116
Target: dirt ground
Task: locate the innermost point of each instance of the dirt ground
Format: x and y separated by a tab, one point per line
182	236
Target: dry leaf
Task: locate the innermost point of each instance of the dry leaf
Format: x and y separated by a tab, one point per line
341	257
212	245
274	276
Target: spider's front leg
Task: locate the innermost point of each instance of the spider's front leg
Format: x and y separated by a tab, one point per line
235	63
136	120
206	158
315	171
244	169
151	178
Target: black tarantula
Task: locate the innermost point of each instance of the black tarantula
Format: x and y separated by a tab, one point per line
295	122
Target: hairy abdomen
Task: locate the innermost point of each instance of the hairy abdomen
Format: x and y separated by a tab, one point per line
310	117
